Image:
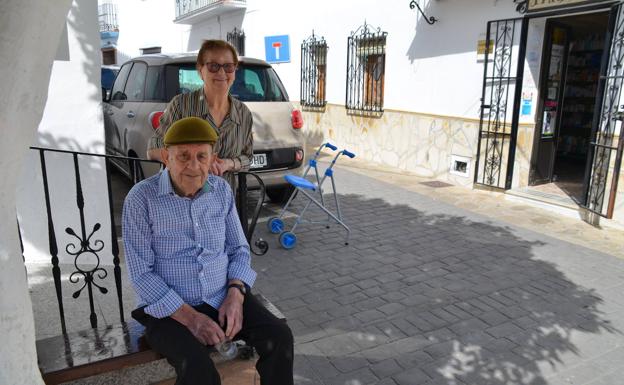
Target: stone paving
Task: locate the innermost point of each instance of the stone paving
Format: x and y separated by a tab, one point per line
429	293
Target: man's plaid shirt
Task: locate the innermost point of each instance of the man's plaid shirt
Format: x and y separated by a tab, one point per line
183	250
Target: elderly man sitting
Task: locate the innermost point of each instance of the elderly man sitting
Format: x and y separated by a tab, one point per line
189	262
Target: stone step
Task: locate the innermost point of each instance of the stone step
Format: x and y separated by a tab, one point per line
552	202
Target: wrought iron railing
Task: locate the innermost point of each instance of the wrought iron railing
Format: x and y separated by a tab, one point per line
606	149
366	66
187	7
505	45
313	72
87	246
237	38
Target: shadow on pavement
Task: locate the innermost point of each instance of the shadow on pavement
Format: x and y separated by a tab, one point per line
419	298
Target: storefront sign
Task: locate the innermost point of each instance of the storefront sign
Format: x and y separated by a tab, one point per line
540	5
481	46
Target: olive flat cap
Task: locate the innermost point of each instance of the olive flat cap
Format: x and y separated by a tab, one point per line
190	130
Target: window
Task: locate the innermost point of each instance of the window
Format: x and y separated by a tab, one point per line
237	39
109	56
189	80
252	83
136	82
154	87
373	73
366	62
120	82
150	50
313	72
257	84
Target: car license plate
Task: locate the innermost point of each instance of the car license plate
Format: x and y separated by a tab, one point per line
259	161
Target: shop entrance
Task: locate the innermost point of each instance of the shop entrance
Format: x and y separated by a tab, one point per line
569	89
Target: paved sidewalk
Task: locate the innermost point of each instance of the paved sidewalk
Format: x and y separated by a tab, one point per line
606	237
431	293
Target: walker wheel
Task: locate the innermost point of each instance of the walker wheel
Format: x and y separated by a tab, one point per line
276	225
288	240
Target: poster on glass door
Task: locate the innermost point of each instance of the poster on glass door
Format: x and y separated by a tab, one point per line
548	127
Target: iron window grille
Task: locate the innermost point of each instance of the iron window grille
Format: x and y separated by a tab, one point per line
237	39
366	64
313	72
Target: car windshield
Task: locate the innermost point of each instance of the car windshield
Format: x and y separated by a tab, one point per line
253	83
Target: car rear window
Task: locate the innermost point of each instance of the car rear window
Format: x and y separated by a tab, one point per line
253	83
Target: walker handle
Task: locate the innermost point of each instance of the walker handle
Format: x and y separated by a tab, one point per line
348	153
334	148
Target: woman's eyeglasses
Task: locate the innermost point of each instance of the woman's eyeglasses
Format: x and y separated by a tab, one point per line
215	67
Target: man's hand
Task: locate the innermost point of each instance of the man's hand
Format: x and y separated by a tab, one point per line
207	331
232	310
220	166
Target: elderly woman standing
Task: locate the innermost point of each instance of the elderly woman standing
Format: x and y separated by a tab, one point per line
217	61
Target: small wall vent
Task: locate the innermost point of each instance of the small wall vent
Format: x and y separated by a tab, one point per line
460	165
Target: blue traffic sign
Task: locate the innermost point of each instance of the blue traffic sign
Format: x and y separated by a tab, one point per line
277	49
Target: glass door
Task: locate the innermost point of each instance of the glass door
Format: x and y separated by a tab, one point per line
551	95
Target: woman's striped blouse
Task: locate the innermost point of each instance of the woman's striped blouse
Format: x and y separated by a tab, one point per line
235	135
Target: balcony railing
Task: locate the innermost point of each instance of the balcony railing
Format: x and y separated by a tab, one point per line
107	15
192	11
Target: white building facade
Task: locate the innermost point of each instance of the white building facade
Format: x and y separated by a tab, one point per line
30	33
72	121
498	94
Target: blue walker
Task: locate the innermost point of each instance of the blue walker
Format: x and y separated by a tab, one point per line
288	239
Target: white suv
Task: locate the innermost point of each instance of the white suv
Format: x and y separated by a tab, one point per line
147	83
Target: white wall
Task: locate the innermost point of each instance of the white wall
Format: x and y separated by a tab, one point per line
72	120
30	31
429	69
214	28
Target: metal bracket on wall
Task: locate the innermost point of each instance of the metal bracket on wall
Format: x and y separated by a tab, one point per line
521	6
430	20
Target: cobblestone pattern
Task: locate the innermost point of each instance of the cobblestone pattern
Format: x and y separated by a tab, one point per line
425	293
430	294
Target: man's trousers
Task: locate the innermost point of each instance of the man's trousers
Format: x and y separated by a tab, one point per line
270	336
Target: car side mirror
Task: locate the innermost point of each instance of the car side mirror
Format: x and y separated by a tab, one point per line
118	96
